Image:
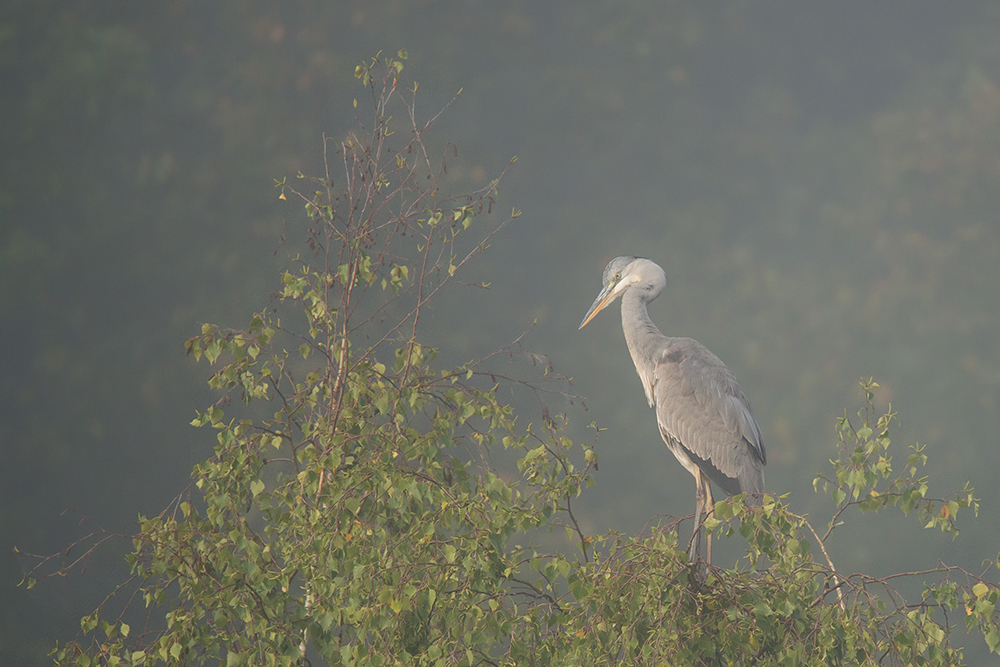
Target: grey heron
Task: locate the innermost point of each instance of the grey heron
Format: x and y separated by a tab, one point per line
702	412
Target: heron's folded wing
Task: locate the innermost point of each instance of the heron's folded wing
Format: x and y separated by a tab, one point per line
700	405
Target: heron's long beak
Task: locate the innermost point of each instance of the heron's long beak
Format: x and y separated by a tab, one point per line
606	296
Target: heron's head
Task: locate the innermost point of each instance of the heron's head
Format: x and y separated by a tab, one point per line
622	273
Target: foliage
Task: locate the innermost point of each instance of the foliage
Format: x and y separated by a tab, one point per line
352	514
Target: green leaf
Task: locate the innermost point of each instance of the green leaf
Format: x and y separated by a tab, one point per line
212	351
89	622
175	650
992	637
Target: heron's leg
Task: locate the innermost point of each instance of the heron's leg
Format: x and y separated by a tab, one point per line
709	508
699	504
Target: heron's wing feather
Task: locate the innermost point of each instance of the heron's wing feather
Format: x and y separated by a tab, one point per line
703	410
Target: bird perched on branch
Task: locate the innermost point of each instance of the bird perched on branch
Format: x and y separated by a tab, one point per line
702	412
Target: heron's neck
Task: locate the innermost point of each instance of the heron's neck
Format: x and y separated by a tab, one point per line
635	321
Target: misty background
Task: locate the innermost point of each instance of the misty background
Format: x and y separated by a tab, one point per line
821	184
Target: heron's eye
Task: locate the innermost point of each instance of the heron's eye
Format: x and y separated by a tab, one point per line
618	277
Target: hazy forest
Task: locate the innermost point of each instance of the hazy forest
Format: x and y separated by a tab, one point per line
820	184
